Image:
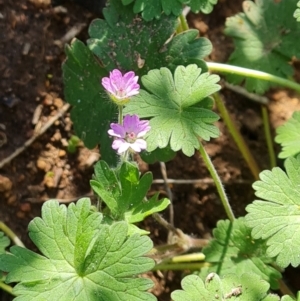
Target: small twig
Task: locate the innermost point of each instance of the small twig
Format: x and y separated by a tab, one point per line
163	170
240	90
9	233
74	31
44	128
199	181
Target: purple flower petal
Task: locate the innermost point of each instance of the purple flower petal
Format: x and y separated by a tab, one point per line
139	145
121	87
117	130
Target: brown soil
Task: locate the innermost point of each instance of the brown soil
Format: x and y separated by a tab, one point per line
31	82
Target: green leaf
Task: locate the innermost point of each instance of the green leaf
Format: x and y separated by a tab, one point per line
288	135
82	258
247	286
154	9
91	112
160	154
233	250
265	38
4	242
126	42
297	12
124	192
276	218
174	105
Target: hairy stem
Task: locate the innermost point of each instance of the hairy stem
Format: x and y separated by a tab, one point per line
217	181
237	137
184	24
218	67
9	233
268	136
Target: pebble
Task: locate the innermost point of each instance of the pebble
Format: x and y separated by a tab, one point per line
58	102
43	165
5	184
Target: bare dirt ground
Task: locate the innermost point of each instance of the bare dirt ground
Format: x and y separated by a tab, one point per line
31	92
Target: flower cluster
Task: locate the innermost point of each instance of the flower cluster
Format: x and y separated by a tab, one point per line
128	136
121	87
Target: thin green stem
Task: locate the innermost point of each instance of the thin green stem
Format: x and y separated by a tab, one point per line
217	181
237	137
184	24
268	136
9	233
218	67
180	266
120	119
6	288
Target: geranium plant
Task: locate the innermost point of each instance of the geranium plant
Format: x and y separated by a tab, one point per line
143	65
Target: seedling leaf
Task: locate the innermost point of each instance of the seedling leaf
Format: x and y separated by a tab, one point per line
247	286
154	9
233	250
91	112
82	258
124	192
127	42
288	135
297	12
276	218
265	38
174	104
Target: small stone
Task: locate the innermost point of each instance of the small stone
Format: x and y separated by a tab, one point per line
12	199
62	153
43	165
25	207
48	101
58	102
5	184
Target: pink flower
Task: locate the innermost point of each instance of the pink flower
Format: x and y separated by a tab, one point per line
121	87
129	134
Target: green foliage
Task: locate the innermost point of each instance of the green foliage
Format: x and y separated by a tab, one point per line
126	42
4	242
91	114
82	259
154	9
297	12
231	287
288	135
233	250
265	38
124	192
160	154
276	218
174	104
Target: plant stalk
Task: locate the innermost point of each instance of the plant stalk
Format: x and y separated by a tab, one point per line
180	266
9	233
237	137
217	181
218	67
268	136
6	288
